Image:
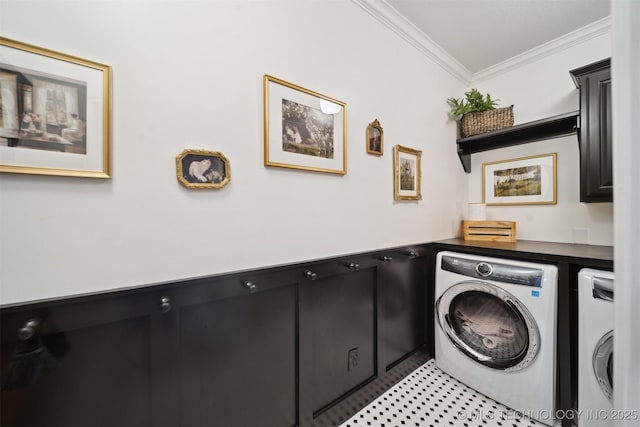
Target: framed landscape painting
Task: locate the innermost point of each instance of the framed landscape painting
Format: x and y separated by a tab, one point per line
521	181
303	129
55	113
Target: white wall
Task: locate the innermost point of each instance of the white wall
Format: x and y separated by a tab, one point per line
626	153
538	90
188	74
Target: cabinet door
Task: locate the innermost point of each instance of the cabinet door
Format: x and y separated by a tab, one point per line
337	335
401	306
236	358
92	365
596	163
208	352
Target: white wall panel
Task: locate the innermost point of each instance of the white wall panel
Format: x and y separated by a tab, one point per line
188	74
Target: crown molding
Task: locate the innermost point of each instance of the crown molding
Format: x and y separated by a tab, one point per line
581	35
385	13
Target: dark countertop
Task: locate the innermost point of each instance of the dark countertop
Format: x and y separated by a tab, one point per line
550	251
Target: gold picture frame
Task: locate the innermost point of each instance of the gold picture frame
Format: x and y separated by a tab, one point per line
528	180
303	129
375	138
407	173
55	112
202	169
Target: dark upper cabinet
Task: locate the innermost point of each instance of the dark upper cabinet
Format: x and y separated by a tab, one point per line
596	165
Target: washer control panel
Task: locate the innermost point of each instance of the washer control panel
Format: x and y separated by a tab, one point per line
506	273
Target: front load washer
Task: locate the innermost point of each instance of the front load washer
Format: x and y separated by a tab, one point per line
496	329
595	347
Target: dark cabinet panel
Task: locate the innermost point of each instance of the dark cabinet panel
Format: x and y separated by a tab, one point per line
237	360
337	337
605	151
596	162
91	370
401	307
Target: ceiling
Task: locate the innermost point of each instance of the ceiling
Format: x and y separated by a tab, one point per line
482	33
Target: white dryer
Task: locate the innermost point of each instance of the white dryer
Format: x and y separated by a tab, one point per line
595	347
496	329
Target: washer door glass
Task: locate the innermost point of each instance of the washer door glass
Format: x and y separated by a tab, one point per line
489	325
603	364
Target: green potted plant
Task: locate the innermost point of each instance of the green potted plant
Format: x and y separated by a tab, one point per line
478	114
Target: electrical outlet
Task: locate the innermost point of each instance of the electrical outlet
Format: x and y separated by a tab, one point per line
581	235
353	356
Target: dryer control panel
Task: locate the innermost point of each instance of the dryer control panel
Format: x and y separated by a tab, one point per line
506	273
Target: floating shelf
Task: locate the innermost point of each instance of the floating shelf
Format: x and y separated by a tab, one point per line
552	127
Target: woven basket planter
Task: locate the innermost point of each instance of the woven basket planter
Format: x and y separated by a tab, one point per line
487	121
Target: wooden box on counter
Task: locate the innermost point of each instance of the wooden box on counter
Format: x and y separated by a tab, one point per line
489	231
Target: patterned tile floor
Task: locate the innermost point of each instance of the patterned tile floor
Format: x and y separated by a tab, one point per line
430	398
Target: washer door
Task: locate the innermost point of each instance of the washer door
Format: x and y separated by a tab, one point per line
603	364
489	325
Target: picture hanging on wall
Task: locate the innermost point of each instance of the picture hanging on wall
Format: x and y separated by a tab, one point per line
407	173
522	181
375	138
203	169
55	113
303	129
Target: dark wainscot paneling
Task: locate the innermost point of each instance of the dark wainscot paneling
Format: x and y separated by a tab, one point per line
401	308
102	357
337	333
282	346
235	358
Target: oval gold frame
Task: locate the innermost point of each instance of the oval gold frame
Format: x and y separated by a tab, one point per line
182	174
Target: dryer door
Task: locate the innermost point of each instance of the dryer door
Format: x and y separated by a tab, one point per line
489	325
603	364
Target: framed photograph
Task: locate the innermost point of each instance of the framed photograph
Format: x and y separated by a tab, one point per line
55	113
303	129
203	169
522	181
375	138
407	173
